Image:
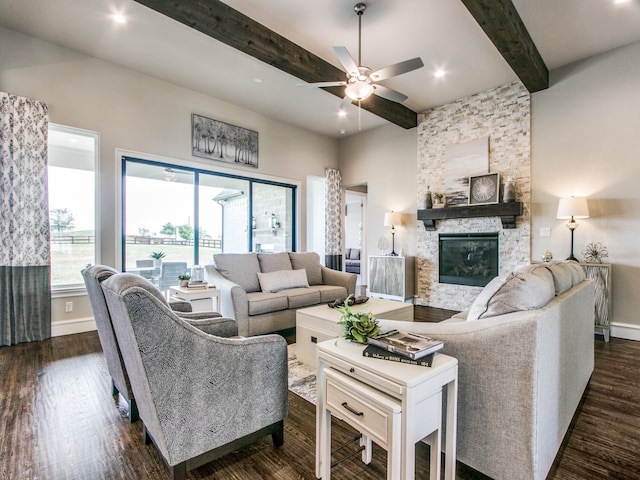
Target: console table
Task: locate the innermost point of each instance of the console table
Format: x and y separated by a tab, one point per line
394	404
392	277
600	273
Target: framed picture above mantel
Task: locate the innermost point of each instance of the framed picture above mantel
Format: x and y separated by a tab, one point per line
223	142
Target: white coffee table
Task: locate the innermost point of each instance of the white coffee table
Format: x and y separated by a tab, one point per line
319	323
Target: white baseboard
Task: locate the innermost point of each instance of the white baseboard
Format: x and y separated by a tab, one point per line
627	331
69	327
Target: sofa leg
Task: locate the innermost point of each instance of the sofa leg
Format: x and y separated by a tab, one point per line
179	471
278	434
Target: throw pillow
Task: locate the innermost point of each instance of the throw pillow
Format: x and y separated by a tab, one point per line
310	261
520	290
240	268
562	276
274	262
577	272
273	282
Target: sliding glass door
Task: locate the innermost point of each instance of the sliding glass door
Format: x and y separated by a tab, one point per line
185	215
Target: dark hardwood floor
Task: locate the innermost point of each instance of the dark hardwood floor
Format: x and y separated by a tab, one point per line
59	421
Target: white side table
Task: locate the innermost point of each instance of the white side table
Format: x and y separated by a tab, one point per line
191	294
386	400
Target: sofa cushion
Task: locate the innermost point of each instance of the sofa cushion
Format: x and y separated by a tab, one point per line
577	272
354	254
274	262
562	276
524	289
284	279
310	261
302	297
330	293
264	302
240	268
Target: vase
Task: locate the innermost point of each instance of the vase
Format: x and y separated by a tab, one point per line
429	200
509	192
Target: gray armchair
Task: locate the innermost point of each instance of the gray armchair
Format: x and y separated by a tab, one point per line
200	395
93	277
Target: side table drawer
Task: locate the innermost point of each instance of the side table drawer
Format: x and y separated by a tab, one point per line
371	412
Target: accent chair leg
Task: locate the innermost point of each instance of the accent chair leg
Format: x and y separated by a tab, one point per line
133	411
145	435
179	471
278	434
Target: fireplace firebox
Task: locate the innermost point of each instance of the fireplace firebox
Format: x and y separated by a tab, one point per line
468	258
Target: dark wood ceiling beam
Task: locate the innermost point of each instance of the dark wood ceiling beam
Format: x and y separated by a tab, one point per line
223	23
501	22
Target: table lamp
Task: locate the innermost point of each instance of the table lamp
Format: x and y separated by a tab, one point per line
391	219
572	208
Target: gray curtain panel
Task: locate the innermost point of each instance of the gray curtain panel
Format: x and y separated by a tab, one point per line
334	219
25	272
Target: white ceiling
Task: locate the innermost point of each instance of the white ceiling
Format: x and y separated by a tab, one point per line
441	32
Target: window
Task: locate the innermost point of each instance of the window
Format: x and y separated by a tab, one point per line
189	214
72	203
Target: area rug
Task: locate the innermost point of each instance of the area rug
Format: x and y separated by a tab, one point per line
302	379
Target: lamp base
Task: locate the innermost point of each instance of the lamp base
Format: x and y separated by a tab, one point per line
392	254
571	257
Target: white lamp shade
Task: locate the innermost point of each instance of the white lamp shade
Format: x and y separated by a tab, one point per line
359	90
575	207
392	218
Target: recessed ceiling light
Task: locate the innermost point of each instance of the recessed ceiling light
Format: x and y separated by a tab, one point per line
257	80
119	18
342	131
342	113
439	73
618	2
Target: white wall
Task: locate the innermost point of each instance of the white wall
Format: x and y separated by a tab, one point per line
136	112
385	159
585	143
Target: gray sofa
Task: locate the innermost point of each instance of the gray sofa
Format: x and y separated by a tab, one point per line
526	353
352	260
262	291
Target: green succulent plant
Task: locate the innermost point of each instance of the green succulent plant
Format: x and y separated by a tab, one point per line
357	326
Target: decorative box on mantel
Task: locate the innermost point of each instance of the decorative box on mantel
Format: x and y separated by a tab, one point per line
506	211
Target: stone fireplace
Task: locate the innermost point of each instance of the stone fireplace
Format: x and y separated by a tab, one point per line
503	115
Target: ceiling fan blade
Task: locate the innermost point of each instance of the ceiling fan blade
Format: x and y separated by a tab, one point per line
396	69
322	84
389	94
346	60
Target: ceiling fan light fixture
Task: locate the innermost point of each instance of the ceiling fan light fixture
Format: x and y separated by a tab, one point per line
359	90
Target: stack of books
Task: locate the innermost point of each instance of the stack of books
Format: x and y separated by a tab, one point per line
411	348
197	285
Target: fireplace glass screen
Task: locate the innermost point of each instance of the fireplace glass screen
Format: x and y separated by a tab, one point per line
468	258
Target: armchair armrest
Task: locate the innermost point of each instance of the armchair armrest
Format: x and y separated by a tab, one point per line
180	306
220	326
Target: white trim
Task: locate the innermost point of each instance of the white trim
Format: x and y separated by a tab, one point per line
627	331
69	327
68	292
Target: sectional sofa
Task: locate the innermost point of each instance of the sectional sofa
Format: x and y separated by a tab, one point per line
526	353
262	291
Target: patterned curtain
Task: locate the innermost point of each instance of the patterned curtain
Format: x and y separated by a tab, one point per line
25	283
334	219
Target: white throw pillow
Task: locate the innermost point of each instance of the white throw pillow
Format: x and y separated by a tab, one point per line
562	276
273	282
528	289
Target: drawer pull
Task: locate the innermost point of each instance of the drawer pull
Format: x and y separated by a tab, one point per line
355	412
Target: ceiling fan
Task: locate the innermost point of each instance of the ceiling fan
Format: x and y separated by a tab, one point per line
361	81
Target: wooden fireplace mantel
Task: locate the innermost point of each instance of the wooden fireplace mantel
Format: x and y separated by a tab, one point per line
506	211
